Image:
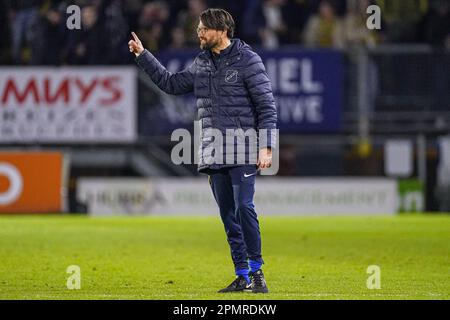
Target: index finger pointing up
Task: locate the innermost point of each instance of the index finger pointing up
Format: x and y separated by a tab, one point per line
134	36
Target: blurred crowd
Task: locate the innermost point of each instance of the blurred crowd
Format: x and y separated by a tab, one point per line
35	32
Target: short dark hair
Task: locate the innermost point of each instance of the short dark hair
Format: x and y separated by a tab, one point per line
218	19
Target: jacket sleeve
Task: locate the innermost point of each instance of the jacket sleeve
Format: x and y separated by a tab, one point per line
172	83
260	90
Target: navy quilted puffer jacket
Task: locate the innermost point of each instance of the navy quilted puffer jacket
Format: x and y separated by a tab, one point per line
233	93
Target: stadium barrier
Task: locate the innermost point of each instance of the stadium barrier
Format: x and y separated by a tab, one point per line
32	182
68	105
274	196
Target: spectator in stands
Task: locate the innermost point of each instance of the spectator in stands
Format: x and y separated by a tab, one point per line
115	26
22	13
132	10
355	28
153	24
254	22
5	39
296	14
88	45
265	22
38	34
178	39
401	18
47	33
325	28
274	27
188	21
101	37
437	26
235	8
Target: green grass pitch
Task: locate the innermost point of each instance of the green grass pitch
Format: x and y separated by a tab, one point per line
188	257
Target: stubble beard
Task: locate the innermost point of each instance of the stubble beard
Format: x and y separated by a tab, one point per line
209	45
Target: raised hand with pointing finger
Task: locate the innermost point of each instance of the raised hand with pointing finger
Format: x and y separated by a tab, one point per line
135	45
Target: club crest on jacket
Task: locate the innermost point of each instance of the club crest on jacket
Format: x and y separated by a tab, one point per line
231	76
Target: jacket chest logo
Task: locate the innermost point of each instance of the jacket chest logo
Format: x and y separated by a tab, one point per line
231	76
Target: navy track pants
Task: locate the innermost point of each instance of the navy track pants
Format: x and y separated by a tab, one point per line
233	189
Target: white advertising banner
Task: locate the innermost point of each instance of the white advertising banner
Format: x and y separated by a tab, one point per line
274	196
67	104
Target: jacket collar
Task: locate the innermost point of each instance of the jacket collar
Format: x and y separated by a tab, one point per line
225	52
234	49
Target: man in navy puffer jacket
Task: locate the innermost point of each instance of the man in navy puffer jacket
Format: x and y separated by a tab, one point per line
234	97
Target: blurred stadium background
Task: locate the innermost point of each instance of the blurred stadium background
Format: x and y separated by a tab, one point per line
364	119
367	111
